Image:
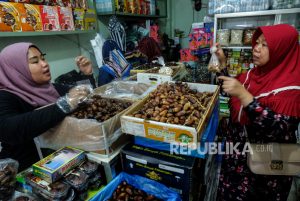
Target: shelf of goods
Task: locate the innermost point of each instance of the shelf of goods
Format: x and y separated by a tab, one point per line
132	8
228	22
46	33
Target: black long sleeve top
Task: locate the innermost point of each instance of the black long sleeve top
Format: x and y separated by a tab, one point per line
20	123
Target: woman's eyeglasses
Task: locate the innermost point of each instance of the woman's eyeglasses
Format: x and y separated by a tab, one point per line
37	59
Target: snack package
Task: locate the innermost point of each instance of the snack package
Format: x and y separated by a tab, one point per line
8	171
214	63
236	37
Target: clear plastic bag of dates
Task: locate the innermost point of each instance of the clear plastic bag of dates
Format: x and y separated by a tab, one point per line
8	171
214	63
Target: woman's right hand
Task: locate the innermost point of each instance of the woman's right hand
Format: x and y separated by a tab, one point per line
220	54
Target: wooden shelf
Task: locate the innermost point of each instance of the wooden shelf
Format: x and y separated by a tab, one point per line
45	33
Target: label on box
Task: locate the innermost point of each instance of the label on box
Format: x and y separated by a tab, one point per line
134	128
168	134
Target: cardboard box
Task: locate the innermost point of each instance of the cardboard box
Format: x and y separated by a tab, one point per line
65	17
177	172
54	166
9	17
49	16
165	132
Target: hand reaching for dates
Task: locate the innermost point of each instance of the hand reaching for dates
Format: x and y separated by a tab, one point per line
76	95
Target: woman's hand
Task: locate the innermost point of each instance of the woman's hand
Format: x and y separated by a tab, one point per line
84	65
220	54
234	88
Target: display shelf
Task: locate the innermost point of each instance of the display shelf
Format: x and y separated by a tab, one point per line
119	14
257	18
237	47
258	13
48	33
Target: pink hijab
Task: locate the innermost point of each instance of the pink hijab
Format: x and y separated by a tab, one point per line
16	78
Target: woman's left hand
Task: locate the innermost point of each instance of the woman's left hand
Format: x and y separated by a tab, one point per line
234	88
84	65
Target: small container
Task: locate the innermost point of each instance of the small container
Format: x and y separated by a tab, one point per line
223	36
247	38
78	180
71	195
54	192
96	181
8	171
89	168
236	37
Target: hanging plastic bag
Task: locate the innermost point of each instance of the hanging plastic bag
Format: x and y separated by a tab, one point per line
214	63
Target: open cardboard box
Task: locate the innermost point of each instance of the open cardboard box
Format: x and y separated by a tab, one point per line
165	132
86	134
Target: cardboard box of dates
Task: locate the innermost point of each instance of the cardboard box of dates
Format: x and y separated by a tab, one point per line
94	126
179	173
174	113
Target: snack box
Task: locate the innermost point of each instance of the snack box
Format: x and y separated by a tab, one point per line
49	18
78	14
165	132
90	19
54	166
9	17
65	17
31	20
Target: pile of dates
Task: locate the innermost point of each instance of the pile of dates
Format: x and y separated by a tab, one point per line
8	171
127	192
175	103
100	108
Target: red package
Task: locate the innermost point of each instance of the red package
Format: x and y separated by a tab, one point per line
49	16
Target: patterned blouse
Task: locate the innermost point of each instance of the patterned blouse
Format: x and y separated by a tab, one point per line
236	181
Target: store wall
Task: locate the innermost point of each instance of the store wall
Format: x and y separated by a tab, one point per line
183	15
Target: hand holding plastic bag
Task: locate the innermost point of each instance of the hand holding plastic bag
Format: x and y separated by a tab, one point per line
214	63
76	95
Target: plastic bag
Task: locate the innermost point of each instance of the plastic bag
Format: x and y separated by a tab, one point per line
214	63
151	187
8	171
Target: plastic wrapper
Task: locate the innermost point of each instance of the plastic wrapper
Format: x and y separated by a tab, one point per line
127	90
214	63
158	190
223	36
247	38
55	191
8	171
86	134
236	37
74	97
165	70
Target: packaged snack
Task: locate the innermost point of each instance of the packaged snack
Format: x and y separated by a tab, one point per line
8	171
55	191
248	34
78	180
223	37
90	19
66	20
214	63
54	166
9	17
78	15
49	18
236	37
89	168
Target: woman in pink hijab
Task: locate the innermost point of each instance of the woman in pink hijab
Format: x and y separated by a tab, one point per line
25	86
